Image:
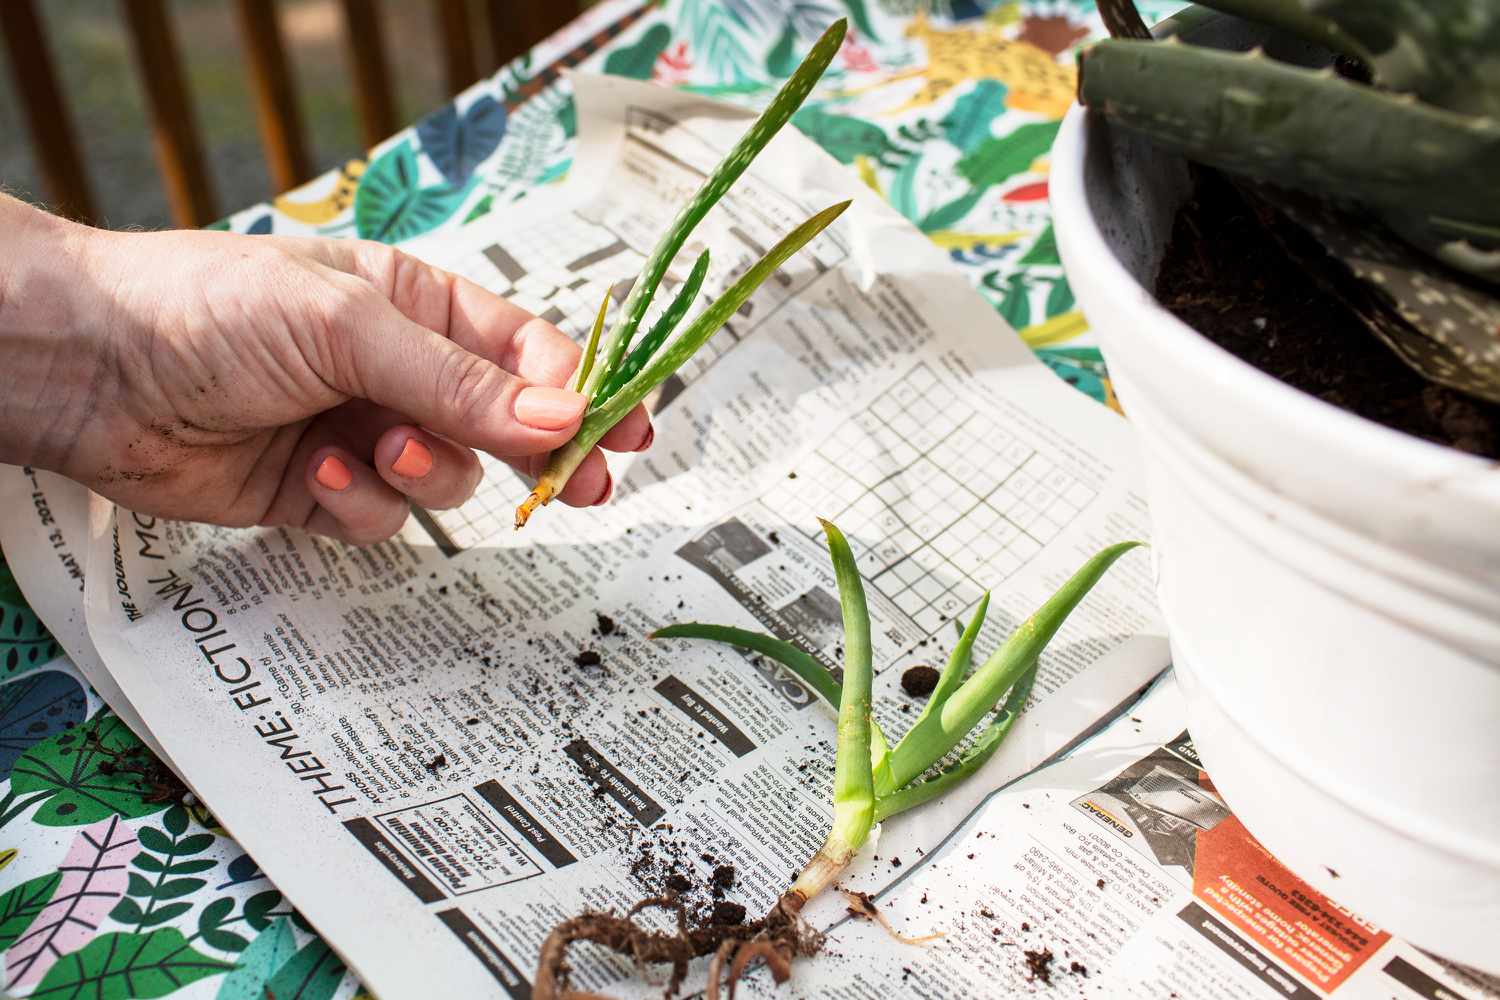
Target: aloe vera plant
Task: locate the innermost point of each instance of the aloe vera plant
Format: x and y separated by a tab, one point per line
1401	121
614	378
873	780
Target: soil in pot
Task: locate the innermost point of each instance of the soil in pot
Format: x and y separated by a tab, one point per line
1227	275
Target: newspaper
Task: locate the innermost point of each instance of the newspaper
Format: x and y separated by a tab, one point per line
439	746
1120	872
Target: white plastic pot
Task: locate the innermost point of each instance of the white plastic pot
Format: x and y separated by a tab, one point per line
1331	587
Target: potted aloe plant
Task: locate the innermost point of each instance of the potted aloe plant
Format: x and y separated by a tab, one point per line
1282	217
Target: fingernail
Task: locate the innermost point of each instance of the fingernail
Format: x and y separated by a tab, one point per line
609	489
333	474
548	409
650	436
415	460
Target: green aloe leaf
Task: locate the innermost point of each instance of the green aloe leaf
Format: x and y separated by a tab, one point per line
935	735
642	352
969	762
853	776
675	354
798	661
776	114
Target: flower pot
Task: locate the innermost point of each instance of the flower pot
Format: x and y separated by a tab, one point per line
1331	587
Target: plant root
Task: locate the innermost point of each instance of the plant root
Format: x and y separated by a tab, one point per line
775	940
622	936
861	905
782	937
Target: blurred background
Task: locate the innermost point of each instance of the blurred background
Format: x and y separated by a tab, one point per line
97	68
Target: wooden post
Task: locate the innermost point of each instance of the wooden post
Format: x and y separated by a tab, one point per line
517	25
46	115
271	80
372	83
458	43
178	149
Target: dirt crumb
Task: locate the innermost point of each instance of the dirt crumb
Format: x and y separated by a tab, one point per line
605	624
727	913
1039	964
588	658
919	681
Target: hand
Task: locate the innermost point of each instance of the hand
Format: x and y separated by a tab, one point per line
258	380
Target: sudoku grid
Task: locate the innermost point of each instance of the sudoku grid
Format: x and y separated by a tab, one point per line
937	501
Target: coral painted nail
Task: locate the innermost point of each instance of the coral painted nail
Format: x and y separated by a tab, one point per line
333	474
415	460
547	408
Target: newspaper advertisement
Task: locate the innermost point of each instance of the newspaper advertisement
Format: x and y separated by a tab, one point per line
439	746
1119	872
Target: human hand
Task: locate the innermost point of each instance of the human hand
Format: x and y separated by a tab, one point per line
280	381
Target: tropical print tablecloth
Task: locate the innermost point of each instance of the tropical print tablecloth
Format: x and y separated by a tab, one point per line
113	883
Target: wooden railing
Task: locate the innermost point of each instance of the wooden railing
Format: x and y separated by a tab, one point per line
514	26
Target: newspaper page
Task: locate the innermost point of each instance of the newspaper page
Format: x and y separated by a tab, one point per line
438	746
1119	872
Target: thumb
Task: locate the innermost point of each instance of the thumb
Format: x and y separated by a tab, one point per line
382	356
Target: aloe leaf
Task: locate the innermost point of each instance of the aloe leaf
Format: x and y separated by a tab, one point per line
637	358
1293	16
787	100
804	665
972	759
959	661
586	363
1253	116
808	670
953	673
853	777
934	735
666	361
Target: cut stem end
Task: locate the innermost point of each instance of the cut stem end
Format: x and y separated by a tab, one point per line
540	497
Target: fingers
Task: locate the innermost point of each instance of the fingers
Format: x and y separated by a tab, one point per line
590	485
475	319
430	471
633	433
353	503
378	354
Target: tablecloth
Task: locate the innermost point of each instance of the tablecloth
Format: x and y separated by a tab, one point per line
112	885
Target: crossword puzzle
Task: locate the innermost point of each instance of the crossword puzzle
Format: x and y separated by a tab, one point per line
938	504
560	267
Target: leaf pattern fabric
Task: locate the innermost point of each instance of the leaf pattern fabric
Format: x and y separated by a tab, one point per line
34	707
946	107
25	643
128	965
93	877
72	774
